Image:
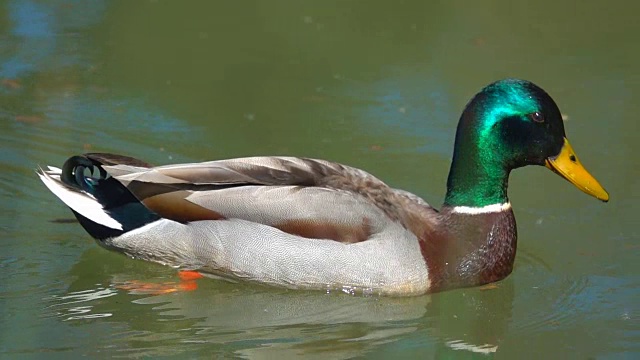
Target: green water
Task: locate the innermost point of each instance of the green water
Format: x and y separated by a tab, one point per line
377	85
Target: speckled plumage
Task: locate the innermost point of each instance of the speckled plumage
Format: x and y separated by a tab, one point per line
313	224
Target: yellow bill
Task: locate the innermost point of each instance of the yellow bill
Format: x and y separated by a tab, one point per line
567	165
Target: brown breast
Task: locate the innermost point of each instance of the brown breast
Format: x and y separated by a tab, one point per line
472	249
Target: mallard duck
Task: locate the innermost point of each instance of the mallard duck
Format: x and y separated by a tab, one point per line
313	224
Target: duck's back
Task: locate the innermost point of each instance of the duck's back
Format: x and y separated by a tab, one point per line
295	222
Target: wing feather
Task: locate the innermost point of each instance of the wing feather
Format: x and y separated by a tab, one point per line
307	197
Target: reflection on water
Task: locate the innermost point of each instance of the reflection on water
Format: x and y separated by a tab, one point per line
80	311
252	321
45	36
377	86
402	101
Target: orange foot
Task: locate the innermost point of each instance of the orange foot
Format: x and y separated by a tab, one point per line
186	275
187	283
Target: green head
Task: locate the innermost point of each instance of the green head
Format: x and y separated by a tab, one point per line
508	124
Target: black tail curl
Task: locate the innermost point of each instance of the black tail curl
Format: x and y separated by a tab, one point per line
85	173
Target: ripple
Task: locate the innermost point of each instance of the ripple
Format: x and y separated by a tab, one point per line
61	304
529	259
84	312
575	308
559	305
482	349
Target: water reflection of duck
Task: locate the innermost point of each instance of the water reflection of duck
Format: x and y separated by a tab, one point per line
249	320
256	320
314	224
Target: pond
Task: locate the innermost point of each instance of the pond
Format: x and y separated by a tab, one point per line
375	85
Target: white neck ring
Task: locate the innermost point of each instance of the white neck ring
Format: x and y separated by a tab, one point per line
470	210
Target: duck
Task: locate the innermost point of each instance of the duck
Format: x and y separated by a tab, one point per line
311	224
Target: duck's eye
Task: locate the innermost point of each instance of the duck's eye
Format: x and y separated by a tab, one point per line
537	117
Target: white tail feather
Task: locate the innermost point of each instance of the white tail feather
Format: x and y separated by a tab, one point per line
81	202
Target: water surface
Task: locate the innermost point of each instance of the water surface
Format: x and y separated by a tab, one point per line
371	84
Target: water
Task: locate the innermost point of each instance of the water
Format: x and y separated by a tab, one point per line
374	85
